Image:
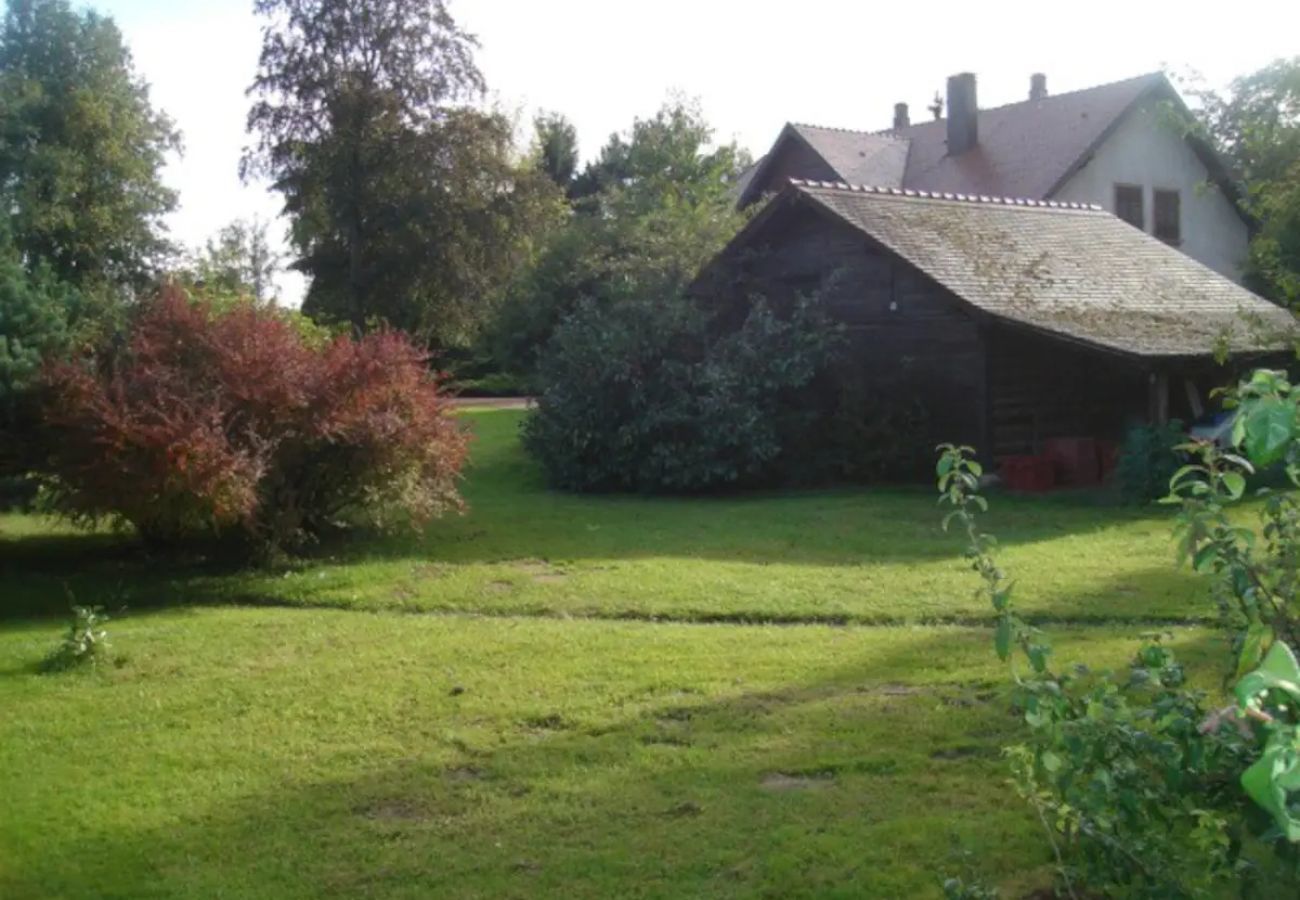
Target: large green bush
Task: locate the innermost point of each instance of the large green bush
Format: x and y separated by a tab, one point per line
658	396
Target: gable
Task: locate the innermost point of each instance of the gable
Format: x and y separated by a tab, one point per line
790	157
1145	150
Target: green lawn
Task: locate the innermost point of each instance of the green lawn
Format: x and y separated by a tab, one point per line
593	735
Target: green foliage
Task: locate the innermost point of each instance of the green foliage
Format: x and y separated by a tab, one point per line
555	148
653	209
239	260
81	148
85	644
1256	126
1130	776
1147	460
408	204
648	395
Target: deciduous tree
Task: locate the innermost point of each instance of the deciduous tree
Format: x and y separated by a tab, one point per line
408	204
81	147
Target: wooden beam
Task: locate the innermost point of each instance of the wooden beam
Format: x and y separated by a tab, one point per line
1158	397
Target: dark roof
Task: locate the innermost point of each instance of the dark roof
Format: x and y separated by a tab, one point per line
852	156
1067	268
858	158
1026	149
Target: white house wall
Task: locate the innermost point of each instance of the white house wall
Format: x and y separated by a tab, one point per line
1145	150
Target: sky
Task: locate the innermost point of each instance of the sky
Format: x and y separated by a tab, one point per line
752	65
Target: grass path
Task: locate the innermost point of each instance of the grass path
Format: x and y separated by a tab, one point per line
527	703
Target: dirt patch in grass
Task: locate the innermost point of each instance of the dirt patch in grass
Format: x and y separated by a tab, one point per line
549	722
893	689
393	809
782	783
465	773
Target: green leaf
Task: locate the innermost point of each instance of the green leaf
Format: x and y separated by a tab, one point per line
1279	671
1002	638
1235	484
1051	762
1269	427
1258	635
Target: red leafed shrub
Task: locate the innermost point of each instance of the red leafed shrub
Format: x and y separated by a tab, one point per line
228	424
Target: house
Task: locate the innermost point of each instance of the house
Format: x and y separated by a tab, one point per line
1117	146
1014	321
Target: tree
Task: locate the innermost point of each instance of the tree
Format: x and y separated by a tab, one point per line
36	312
407	205
240	260
665	159
555	145
651	210
81	148
1256	127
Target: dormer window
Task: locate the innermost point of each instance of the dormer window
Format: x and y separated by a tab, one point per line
1129	206
1168	225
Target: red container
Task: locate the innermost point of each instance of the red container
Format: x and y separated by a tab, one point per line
1076	459
1028	473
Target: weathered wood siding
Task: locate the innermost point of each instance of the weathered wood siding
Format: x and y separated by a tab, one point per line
1000	387
793	159
1041	387
908	334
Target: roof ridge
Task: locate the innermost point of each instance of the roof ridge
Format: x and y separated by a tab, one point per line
886	132
839	130
943	195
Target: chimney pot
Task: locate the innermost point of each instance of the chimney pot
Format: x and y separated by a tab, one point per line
963	114
901	119
1037	86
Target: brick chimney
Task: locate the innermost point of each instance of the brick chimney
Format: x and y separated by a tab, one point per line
963	114
1037	86
901	119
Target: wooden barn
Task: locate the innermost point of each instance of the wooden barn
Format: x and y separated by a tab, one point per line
1016	322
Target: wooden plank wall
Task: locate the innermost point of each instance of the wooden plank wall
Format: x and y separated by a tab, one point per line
904	329
1041	388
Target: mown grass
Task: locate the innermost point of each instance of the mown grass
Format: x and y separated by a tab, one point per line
852	555
301	753
526	740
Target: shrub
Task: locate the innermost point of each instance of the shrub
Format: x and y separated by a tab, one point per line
650	396
232	423
1147	461
1143	788
86	642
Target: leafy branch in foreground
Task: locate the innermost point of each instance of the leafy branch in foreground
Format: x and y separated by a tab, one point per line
1137	800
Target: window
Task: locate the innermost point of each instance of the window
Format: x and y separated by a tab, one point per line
1167	225
1128	205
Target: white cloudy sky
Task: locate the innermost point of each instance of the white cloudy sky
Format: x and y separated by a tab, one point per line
754	65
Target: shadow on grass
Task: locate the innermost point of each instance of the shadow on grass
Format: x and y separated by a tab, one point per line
514	517
797	791
850	784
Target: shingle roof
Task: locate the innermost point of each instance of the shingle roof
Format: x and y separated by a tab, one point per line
856	157
1025	149
1067	268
